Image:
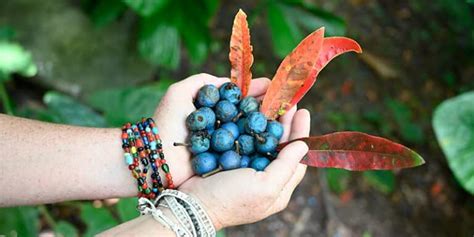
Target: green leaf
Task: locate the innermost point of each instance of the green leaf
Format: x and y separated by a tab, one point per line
453	124
15	59
129	104
69	111
127	209
311	18
65	229
96	219
402	114
193	28
289	21
106	11
284	31
338	179
145	7
6	33
159	42
220	233
19	221
382	180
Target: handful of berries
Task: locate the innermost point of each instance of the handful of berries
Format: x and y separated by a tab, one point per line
228	132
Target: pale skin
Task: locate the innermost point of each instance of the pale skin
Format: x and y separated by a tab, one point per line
46	163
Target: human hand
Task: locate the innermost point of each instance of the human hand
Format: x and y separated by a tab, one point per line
243	196
170	117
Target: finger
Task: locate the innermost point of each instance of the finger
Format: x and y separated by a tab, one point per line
259	86
286	121
300	127
191	85
287	191
301	124
286	163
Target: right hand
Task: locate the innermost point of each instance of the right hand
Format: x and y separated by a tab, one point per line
244	196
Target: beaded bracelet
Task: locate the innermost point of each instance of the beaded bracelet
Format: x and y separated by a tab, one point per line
142	144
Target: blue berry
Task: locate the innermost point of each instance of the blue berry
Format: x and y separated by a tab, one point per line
248	104
196	121
208	96
267	144
222	140
204	163
275	129
257	123
210	131
246	144
231	92
232	128
210	116
199	143
225	111
244	161
241	124
229	160
259	163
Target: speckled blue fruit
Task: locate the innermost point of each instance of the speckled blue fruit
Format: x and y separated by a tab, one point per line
248	104
196	121
204	163
199	143
257	123
222	140
259	163
231	92
210	131
225	111
241	124
232	128
229	160
268	144
246	144
275	129
210	116
244	161
208	96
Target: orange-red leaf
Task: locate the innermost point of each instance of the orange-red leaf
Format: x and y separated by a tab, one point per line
357	151
298	67
332	47
240	55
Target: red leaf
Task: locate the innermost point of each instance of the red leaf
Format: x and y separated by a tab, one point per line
357	151
240	55
332	47
298	67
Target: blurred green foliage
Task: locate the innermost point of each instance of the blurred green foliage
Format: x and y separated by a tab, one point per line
453	122
165	25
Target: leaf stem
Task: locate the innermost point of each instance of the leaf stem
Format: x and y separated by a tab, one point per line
6	102
47	216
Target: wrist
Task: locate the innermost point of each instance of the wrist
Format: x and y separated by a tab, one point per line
217	223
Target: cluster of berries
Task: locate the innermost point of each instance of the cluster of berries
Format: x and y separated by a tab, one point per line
228	132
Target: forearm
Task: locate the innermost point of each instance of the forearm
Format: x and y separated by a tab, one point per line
44	163
142	226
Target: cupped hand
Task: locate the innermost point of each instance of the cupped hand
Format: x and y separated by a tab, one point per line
171	114
244	195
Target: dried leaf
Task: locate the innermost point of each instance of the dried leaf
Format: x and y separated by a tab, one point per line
293	72
332	47
357	151
240	55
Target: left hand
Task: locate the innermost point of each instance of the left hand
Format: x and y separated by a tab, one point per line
171	114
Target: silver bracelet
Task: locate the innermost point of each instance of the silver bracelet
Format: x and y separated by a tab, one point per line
202	222
181	214
146	207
